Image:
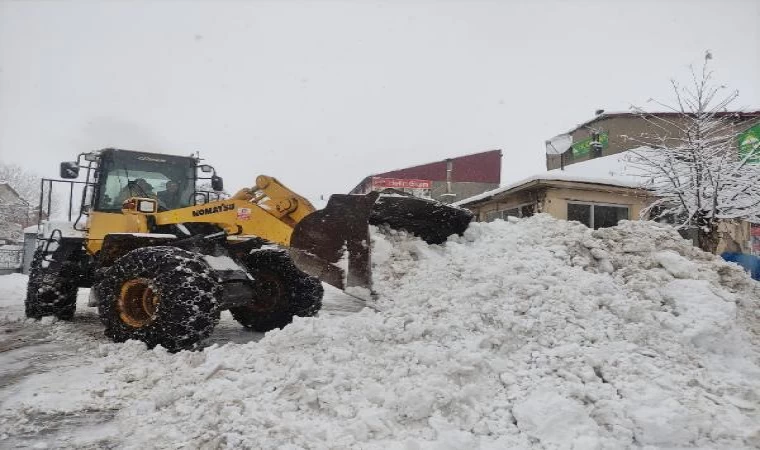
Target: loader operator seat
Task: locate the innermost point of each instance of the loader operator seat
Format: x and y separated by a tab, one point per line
170	197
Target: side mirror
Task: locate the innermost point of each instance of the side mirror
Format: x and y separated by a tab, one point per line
206	168
69	170
217	183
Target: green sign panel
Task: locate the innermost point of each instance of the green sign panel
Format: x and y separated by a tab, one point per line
749	144
583	148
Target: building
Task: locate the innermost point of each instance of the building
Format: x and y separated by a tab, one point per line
586	178
596	193
14	214
615	132
447	180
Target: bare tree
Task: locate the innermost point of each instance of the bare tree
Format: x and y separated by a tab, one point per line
691	160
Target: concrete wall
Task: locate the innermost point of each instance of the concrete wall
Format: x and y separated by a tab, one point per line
734	237
533	197
11	259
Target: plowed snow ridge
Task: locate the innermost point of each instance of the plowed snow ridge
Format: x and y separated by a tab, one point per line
532	333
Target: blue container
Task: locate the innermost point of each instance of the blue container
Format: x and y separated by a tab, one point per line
750	263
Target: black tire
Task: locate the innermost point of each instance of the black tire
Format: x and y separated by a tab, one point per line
183	294
51	290
283	291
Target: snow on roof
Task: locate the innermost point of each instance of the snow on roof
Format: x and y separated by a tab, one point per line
609	170
6	185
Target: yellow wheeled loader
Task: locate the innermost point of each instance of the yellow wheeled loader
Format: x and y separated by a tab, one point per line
163	256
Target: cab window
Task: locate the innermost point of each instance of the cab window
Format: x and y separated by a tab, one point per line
127	176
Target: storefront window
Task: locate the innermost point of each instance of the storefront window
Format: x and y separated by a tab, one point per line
609	216
597	216
513	212
526	210
580	213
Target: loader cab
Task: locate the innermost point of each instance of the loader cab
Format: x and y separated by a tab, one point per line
122	174
112	175
115	175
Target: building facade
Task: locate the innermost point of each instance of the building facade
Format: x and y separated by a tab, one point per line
595	203
447	180
610	134
615	132
14	215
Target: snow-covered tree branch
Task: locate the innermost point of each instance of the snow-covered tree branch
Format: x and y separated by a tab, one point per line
692	162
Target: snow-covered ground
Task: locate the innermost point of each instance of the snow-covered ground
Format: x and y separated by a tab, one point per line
535	333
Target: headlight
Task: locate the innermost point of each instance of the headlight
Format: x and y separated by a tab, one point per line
146	206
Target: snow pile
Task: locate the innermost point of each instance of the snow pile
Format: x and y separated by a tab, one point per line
528	333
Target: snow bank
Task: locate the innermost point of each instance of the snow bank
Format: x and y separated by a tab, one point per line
520	334
11	287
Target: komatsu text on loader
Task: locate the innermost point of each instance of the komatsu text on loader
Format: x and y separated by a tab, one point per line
163	256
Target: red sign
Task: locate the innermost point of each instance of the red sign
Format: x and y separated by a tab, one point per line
399	183
755	239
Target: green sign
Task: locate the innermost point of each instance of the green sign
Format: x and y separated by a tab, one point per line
749	143
583	148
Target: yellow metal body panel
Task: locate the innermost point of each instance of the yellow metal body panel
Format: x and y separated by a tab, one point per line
268	210
276	200
235	216
282	201
100	224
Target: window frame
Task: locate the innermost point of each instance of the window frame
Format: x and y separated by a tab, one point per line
499	213
591	210
109	161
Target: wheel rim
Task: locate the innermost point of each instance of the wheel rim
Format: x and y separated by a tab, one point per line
137	303
269	291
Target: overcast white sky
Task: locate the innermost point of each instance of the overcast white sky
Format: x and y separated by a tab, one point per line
321	94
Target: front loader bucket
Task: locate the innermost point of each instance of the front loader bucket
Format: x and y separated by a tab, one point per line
429	220
321	239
